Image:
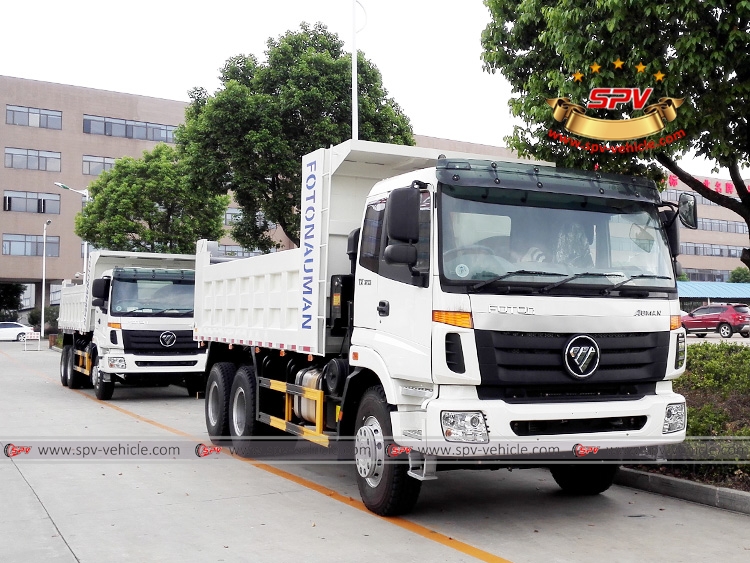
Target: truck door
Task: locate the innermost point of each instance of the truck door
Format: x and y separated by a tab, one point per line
393	304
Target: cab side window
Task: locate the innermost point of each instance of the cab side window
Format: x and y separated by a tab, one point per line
372	234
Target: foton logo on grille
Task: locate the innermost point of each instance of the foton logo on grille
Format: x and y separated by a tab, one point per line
167	338
581	357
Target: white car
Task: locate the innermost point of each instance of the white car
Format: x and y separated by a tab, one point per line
14	331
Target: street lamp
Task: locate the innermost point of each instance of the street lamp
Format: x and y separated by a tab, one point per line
84	193
44	269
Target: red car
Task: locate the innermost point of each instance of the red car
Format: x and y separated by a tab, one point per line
724	318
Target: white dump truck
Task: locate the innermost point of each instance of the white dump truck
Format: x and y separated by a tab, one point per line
453	312
131	322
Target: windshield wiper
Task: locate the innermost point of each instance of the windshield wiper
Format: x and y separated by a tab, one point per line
638	277
151	311
516	273
546	288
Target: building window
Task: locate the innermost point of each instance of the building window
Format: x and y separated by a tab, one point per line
31	202
32	160
127	129
33	117
231	215
95	165
30	245
238	251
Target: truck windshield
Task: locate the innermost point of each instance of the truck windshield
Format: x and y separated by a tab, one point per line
550	241
149	298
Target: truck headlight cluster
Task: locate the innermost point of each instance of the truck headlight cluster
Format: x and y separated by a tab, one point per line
116	362
679	359
464	426
675	418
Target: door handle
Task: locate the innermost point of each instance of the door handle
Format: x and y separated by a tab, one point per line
384	308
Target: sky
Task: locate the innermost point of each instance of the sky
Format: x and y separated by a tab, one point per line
428	52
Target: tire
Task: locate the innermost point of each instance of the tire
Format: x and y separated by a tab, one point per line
386	488
76	379
584	479
218	386
745	334
21	337
242	412
66	351
725	330
700	334
102	389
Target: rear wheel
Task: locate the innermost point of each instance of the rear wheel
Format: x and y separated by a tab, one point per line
745	334
102	389
725	330
218	386
584	479
242	412
75	378
66	351
385	487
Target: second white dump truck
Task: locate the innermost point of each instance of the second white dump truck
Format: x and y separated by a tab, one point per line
131	323
453	312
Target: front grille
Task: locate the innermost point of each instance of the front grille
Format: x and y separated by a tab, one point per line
157	364
146	342
577	426
536	359
574	392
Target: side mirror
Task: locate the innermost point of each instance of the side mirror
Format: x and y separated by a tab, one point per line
402	215
687	210
97	302
401	254
100	289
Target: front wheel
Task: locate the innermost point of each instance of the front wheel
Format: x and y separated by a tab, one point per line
584	479
102	389
385	487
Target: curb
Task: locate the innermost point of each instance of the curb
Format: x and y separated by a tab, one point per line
718	497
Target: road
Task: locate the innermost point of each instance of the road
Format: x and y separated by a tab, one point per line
714	338
221	508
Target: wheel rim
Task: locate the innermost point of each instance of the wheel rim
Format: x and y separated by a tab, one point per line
239	404
95	377
213	404
21	337
725	331
369	453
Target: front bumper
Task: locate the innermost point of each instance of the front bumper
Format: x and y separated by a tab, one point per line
422	430
125	364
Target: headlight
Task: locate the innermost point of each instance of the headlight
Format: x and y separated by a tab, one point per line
679	359
675	418
464	426
115	362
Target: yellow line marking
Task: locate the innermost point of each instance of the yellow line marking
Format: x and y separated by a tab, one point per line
403	523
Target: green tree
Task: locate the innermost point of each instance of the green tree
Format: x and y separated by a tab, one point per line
147	205
250	136
702	49
739	275
10	300
51	312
